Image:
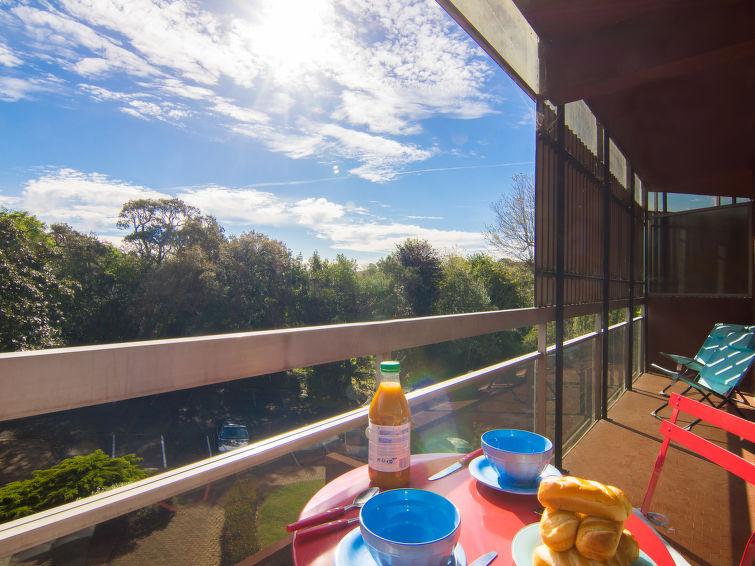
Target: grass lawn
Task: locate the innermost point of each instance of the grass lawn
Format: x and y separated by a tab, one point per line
281	507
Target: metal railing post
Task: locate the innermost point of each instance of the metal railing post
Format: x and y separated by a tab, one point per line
560	252
645	274
630	309
606	270
540	410
597	365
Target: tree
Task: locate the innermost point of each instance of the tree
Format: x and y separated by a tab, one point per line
182	296
89	268
460	290
508	283
513	232
162	227
333	291
30	292
262	281
67	481
416	267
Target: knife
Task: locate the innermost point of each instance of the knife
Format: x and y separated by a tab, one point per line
485	559
458	465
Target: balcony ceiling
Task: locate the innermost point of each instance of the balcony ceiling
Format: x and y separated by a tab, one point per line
672	80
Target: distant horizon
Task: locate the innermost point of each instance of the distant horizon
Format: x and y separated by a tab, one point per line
341	127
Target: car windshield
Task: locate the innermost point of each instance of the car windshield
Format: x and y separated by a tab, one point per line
234	432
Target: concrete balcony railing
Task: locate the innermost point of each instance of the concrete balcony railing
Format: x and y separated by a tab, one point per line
41	382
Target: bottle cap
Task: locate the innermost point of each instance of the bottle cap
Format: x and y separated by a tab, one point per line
390	367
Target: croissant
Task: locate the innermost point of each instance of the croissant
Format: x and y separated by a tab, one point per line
544	556
584	496
559	529
627	552
598	538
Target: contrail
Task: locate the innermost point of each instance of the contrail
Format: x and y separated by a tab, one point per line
487	166
397	174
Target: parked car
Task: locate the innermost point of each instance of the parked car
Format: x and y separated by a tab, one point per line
231	435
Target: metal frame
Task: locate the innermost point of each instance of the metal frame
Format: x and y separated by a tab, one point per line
560	228
606	268
630	309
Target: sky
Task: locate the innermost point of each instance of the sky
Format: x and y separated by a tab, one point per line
343	126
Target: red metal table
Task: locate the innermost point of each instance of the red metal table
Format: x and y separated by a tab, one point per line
489	518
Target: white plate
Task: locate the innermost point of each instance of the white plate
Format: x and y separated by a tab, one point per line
528	538
352	551
483	472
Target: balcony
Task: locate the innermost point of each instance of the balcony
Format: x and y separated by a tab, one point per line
159	516
619	139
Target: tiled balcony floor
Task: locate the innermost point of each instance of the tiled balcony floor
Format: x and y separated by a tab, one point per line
711	512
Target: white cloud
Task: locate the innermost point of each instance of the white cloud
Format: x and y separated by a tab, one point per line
140	104
380	156
13	89
92	201
340	224
417	217
328	79
116	241
8	201
316	211
244	115
52	30
7	57
238	206
383	237
88	201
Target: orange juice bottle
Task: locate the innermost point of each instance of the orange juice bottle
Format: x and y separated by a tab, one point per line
390	424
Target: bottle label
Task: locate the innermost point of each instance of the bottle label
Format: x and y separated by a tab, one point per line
389	449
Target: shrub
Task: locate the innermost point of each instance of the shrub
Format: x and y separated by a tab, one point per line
67	481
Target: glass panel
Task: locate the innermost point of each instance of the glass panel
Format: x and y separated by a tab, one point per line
680	202
638	190
456	422
175	429
617	364
580	120
637	349
618	164
223	523
238	517
578	390
701	252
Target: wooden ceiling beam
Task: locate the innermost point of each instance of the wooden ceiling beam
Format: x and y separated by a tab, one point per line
624	56
737	183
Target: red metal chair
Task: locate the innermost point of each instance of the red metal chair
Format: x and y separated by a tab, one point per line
708	450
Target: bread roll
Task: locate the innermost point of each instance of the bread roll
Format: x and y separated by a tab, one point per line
544	556
598	538
627	552
584	496
559	529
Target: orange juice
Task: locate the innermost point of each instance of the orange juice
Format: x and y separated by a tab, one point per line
390	428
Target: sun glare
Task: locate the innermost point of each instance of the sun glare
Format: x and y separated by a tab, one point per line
294	37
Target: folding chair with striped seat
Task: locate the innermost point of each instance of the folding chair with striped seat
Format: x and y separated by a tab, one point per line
718	336
720	375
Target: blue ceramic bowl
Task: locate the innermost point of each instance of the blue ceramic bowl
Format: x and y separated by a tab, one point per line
410	527
519	456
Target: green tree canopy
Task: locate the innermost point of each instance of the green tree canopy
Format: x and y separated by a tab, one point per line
416	267
30	292
262	280
159	228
